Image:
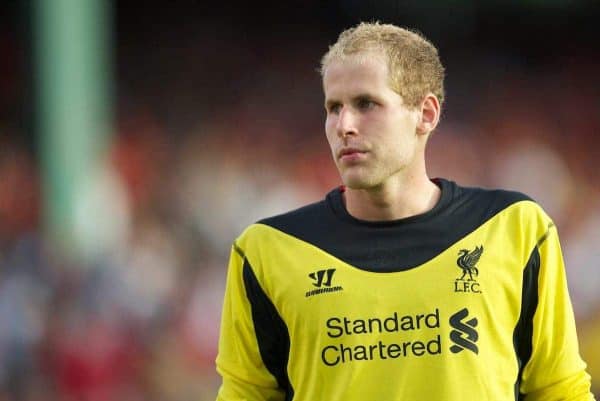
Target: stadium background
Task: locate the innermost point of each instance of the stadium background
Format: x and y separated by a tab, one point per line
215	119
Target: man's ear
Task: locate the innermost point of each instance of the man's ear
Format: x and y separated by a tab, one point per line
429	115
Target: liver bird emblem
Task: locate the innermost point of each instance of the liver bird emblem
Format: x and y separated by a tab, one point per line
467	261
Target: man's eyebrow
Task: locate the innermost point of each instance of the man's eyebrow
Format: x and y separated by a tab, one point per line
360	96
364	95
331	102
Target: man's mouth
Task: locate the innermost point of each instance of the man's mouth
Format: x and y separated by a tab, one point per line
350	154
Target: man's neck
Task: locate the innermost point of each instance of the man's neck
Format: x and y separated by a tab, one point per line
393	201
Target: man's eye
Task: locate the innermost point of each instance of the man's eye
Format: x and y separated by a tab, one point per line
365	104
335	108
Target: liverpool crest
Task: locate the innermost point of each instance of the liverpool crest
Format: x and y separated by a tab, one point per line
467	262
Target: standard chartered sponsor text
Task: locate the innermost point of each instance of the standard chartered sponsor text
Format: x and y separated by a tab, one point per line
360	340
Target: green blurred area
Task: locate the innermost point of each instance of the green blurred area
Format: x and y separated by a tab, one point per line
73	70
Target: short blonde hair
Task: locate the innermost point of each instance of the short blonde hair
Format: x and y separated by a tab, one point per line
413	63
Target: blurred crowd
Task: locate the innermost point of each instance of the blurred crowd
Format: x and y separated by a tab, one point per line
208	146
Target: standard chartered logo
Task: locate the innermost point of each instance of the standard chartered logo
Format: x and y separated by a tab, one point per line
423	330
464	335
335	354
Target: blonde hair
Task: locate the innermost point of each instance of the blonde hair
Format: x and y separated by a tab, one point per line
413	63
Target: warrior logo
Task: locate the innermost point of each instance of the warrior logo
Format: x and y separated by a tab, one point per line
467	261
322	280
464	336
319	275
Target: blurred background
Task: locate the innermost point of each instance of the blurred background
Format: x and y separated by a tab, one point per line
137	140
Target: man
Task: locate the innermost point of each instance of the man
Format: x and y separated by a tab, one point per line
395	286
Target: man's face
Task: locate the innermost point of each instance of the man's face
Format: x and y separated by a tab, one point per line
372	134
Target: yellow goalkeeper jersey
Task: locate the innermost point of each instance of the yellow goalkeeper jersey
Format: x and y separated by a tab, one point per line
466	302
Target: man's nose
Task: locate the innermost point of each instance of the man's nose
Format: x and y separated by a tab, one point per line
346	124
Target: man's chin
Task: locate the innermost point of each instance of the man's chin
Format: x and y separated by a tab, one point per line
356	183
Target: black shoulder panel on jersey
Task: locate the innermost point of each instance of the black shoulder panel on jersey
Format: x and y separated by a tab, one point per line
523	334
394	245
238	250
543	238
271	332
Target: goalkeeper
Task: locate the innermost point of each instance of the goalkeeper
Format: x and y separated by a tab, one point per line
396	286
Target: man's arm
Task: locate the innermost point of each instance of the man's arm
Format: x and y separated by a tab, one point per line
240	362
555	370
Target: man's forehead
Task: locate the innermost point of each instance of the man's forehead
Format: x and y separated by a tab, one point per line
368	57
355	74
